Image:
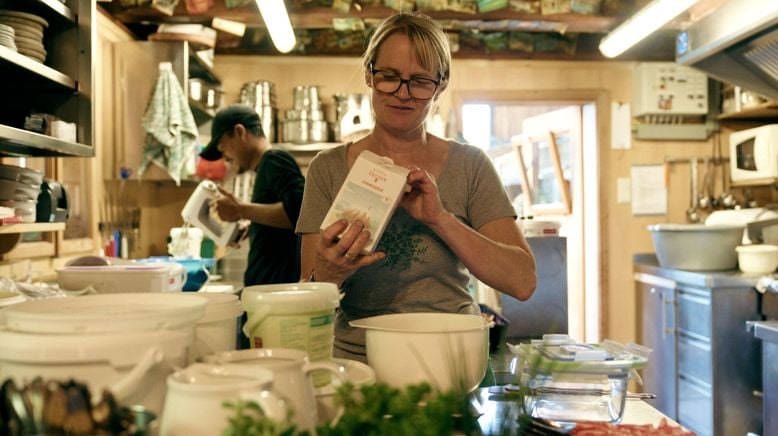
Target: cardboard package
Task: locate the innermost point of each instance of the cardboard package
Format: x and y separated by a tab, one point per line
370	193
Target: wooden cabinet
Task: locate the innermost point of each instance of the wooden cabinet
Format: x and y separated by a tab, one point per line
705	363
61	86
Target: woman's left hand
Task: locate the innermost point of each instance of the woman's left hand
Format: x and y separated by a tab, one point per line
422	200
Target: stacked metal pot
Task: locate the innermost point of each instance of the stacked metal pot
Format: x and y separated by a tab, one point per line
261	95
305	123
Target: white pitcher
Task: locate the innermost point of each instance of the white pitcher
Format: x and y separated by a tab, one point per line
193	405
291	372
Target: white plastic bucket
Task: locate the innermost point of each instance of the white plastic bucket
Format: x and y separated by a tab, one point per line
217	330
293	315
132	365
127	343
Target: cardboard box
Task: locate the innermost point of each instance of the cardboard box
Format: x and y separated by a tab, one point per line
370	194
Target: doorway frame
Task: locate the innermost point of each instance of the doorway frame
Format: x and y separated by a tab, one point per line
593	325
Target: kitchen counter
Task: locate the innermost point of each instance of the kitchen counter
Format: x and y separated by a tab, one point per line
766	330
648	263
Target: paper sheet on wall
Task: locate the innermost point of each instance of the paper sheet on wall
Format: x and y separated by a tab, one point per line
621	126
649	193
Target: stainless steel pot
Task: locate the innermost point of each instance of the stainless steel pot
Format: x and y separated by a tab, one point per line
304	131
261	96
306	97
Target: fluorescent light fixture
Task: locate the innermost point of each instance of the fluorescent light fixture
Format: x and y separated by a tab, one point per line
277	22
653	16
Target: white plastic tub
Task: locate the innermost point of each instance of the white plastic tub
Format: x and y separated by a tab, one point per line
757	259
293	315
128	343
217	331
162	277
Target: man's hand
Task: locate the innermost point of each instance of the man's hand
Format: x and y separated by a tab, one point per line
227	206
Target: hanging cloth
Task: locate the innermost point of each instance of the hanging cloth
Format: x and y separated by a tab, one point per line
171	132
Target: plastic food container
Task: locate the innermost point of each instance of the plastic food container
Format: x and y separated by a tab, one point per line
293	315
217	330
128	343
568	381
757	259
106	279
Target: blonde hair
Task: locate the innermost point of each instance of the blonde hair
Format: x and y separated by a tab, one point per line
427	36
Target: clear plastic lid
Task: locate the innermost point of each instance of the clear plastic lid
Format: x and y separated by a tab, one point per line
559	353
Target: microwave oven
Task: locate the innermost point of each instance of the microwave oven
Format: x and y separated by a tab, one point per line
753	153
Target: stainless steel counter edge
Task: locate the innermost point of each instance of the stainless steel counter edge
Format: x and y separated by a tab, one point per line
766	330
648	263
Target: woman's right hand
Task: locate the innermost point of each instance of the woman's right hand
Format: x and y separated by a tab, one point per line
337	258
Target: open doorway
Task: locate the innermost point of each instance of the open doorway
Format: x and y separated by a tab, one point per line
545	149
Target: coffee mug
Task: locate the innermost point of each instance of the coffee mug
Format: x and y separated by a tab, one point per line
193	404
291	373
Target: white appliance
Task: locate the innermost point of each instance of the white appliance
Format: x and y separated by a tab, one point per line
199	213
753	153
666	88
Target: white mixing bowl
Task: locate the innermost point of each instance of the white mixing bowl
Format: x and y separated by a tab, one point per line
448	351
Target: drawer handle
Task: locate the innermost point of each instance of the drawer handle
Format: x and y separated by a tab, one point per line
758	394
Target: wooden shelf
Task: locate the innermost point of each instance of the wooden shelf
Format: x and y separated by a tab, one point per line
199	68
31	227
57	9
18	142
318	146
201	113
764	111
767	181
320	17
19	63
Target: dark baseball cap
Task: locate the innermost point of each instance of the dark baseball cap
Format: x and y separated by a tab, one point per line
224	121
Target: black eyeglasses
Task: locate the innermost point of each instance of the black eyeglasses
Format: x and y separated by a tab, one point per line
388	82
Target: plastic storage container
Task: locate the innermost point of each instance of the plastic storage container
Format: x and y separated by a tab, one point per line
128	343
293	315
568	381
162	277
217	330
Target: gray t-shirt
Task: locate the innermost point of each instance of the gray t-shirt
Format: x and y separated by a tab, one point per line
420	273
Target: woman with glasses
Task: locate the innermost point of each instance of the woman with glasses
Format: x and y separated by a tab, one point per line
455	216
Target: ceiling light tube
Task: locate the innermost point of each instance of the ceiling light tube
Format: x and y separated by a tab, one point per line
278	25
653	16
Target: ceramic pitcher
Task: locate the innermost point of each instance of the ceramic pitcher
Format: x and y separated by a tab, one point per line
193	404
291	373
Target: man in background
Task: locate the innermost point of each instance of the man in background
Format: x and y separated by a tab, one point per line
274	248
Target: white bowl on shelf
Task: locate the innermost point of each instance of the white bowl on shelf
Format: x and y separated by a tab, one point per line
26	210
25	191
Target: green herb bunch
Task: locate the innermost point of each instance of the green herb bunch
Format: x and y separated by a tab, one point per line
373	410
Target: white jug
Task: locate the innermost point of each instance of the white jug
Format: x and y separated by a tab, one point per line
193	405
291	372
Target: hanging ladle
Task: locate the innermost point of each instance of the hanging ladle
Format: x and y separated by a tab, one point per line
691	213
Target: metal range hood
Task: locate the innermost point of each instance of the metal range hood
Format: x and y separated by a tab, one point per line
736	43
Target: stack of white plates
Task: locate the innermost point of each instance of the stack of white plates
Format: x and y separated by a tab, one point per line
28	32
7	36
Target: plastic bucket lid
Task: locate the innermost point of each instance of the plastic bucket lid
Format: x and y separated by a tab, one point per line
9	298
118	348
220	307
103	313
292	298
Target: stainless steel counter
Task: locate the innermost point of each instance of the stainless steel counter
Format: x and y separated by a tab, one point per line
648	263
